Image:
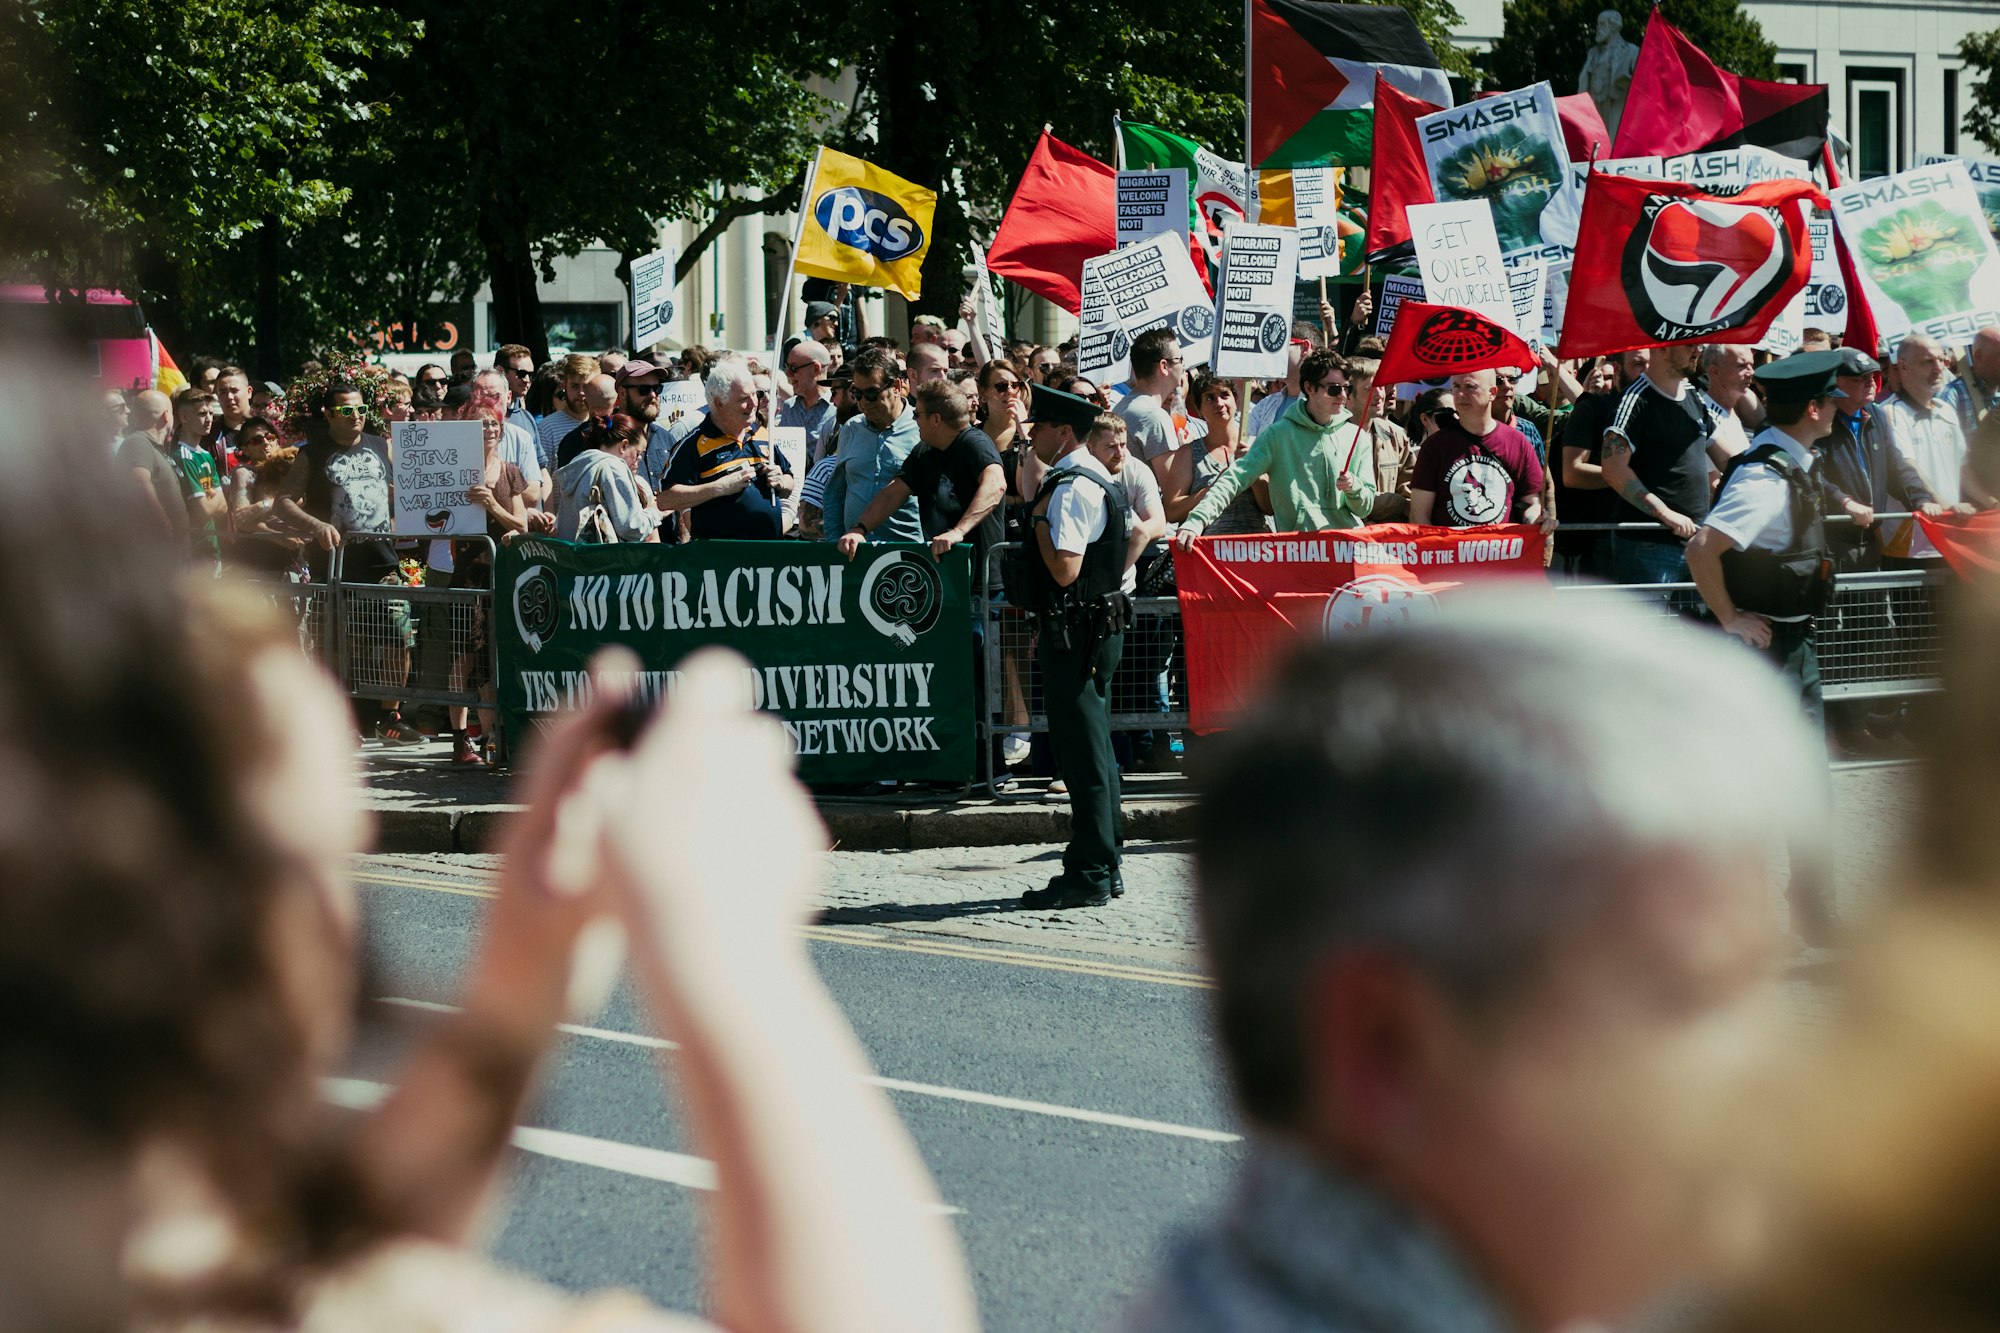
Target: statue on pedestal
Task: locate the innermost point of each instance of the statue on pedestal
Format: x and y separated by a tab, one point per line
1607	70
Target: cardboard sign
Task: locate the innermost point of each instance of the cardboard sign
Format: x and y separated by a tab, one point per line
1507	152
1395	291
1153	285
1923	251
1316	205
992	327
1260	266
1528	285
436	462
1555	295
1103	348
1458	257
1152	203
652	298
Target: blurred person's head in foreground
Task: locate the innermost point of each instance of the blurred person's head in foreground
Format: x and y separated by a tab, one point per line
1494	959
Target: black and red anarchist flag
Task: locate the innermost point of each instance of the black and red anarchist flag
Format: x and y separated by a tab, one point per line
1665	262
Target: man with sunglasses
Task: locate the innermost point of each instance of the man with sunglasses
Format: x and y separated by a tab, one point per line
806	364
1322	473
517	364
874	444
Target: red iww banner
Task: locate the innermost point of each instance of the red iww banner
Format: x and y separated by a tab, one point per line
1246	600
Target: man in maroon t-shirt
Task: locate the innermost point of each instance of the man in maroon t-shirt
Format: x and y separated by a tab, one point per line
1476	471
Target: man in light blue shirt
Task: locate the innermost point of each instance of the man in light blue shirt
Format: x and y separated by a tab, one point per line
871	449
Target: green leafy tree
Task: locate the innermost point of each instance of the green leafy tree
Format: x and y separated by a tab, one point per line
1981	54
149	136
1549	39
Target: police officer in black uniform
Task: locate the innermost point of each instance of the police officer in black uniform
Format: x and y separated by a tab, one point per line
1071	575
1761	559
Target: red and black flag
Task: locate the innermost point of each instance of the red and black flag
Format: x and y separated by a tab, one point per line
1661	261
1429	341
1683	102
1312	69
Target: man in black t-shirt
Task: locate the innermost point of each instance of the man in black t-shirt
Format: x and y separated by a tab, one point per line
1656	458
956	474
1581	495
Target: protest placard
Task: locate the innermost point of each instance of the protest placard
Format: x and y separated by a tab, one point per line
1458	257
1985	173
1921	247
1103	348
653	297
436	463
1260	267
1527	285
1730	171
1555	295
1395	291
992	325
1507	151
1145	287
1316	205
1152	203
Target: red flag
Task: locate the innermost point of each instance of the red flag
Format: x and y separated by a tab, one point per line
1583	128
1665	262
1428	341
1969	543
1062	213
1245	601
1861	330
1684	103
1397	176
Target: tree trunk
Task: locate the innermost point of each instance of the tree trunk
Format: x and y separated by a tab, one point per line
510	268
915	138
266	333
160	293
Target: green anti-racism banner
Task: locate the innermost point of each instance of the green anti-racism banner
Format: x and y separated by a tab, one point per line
868	663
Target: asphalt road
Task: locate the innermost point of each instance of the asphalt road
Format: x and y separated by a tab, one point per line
1088	1016
1062	1217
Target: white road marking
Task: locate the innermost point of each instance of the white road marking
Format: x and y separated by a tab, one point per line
695	1173
904	1085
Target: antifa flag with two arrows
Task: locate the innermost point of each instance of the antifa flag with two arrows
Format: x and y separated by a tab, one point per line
1683	102
1430	341
1661	261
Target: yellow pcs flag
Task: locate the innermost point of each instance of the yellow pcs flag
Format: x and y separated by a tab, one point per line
865	226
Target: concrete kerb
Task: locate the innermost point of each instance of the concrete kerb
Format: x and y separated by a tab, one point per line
851	827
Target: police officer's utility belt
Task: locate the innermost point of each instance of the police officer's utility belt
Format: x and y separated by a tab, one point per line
1092	616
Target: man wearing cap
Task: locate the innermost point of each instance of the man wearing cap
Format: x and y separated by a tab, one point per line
1866	474
822	322
1760	558
1073	579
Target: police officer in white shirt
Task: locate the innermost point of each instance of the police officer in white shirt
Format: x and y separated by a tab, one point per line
1761	559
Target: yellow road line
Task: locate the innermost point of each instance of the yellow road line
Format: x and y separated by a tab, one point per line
978	953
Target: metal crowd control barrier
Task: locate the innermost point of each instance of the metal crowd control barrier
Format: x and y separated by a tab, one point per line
1877	639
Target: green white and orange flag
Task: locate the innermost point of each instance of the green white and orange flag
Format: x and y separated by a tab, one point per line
1312	70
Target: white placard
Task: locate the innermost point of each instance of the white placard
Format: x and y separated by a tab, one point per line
1316	206
1152	203
652	298
1458	257
1730	171
1555	298
1253	326
1147	286
1922	249
1103	349
436	463
1395	291
789	444
988	303
1528	285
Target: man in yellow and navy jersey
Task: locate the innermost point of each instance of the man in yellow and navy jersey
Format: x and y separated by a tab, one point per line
726	475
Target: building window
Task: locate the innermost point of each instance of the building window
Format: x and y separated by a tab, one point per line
1875	114
582	326
1792	73
1951	111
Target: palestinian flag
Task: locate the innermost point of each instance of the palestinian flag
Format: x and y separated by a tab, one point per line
1693	105
1312	78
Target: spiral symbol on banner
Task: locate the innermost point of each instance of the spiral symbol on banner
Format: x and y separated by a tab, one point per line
535	606
902	596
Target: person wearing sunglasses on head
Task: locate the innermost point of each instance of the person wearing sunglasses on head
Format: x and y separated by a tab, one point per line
1321	472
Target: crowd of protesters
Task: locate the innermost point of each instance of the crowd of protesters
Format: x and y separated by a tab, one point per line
1619	456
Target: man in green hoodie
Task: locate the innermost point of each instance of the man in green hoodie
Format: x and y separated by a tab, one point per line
1320	475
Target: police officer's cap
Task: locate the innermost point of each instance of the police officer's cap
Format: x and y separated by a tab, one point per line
1801	377
1854	361
1064	409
